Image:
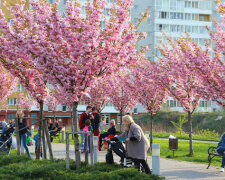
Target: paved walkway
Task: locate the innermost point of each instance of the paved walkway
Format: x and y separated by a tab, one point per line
171	169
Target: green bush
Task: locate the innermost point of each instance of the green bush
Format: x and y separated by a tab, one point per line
208	133
24	168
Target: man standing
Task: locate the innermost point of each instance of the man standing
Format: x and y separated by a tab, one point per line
111	130
83	117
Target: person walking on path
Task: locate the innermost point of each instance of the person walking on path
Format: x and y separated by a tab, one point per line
83	117
22	129
138	146
221	150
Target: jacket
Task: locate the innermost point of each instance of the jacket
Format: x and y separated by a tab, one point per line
138	147
112	130
22	126
96	121
83	118
222	142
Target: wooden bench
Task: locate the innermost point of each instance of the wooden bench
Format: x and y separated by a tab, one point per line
212	152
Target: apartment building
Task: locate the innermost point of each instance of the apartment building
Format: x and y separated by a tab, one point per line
175	18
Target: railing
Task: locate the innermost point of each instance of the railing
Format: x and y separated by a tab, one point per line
86	147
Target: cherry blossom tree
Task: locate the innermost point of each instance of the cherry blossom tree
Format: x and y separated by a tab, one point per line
72	50
178	77
146	90
120	92
7	83
209	64
98	94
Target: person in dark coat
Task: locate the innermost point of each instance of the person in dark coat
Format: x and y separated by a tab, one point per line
138	145
83	117
111	130
95	121
221	150
22	129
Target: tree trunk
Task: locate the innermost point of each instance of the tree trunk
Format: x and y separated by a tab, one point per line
39	131
48	139
43	141
151	130
17	137
121	116
72	124
190	134
76	139
54	114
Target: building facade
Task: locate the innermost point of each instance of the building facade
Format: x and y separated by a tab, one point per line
175	18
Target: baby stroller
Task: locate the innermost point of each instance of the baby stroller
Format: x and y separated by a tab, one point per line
6	141
117	146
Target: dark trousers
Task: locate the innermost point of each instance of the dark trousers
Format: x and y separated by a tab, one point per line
102	136
221	151
139	162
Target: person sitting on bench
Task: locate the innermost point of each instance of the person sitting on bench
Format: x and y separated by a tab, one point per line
111	130
55	129
221	150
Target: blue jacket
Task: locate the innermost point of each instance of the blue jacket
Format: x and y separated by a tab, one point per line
222	142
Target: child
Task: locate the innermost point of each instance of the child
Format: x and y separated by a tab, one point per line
88	127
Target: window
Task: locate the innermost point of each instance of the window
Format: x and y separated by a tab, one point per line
118	118
157	52
10	21
202	30
158	27
11	116
188	29
135	110
203	103
173	103
158	4
109	104
188	16
102	24
12	101
107	118
106	12
64	108
195	4
19	88
195	29
202	18
164	15
176	28
172	4
187	4
49	109
33	118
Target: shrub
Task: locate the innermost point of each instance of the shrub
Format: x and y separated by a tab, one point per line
20	167
208	133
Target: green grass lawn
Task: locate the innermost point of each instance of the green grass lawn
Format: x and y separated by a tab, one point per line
186	136
200	151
